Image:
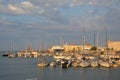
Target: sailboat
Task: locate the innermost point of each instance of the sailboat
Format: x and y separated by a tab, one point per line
42	62
84	62
106	62
94	62
11	55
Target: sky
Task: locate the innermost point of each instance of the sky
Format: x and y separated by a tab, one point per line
43	23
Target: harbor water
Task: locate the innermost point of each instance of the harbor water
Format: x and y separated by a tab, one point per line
27	69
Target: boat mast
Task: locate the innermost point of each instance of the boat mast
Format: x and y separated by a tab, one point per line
94	39
83	37
97	43
61	41
11	51
42	42
106	39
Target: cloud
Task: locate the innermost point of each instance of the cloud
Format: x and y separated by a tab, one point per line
34	17
27	4
22	8
15	10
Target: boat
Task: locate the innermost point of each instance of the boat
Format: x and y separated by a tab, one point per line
5	54
105	63
42	64
59	57
65	63
84	63
94	64
75	64
114	63
11	55
53	64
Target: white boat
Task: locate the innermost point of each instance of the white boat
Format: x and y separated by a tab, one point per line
42	64
84	63
75	64
59	57
52	64
11	55
94	64
105	64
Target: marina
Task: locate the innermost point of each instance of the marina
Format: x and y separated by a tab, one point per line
27	69
66	60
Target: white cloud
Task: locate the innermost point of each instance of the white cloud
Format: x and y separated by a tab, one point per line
52	9
21	8
27	4
15	9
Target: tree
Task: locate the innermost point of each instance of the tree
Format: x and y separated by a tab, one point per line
93	48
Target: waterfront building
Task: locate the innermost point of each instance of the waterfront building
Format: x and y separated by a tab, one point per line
76	48
56	49
114	45
72	48
69	48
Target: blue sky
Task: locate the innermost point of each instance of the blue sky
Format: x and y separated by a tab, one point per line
27	20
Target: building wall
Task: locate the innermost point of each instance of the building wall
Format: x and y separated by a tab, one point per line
115	45
76	48
72	48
